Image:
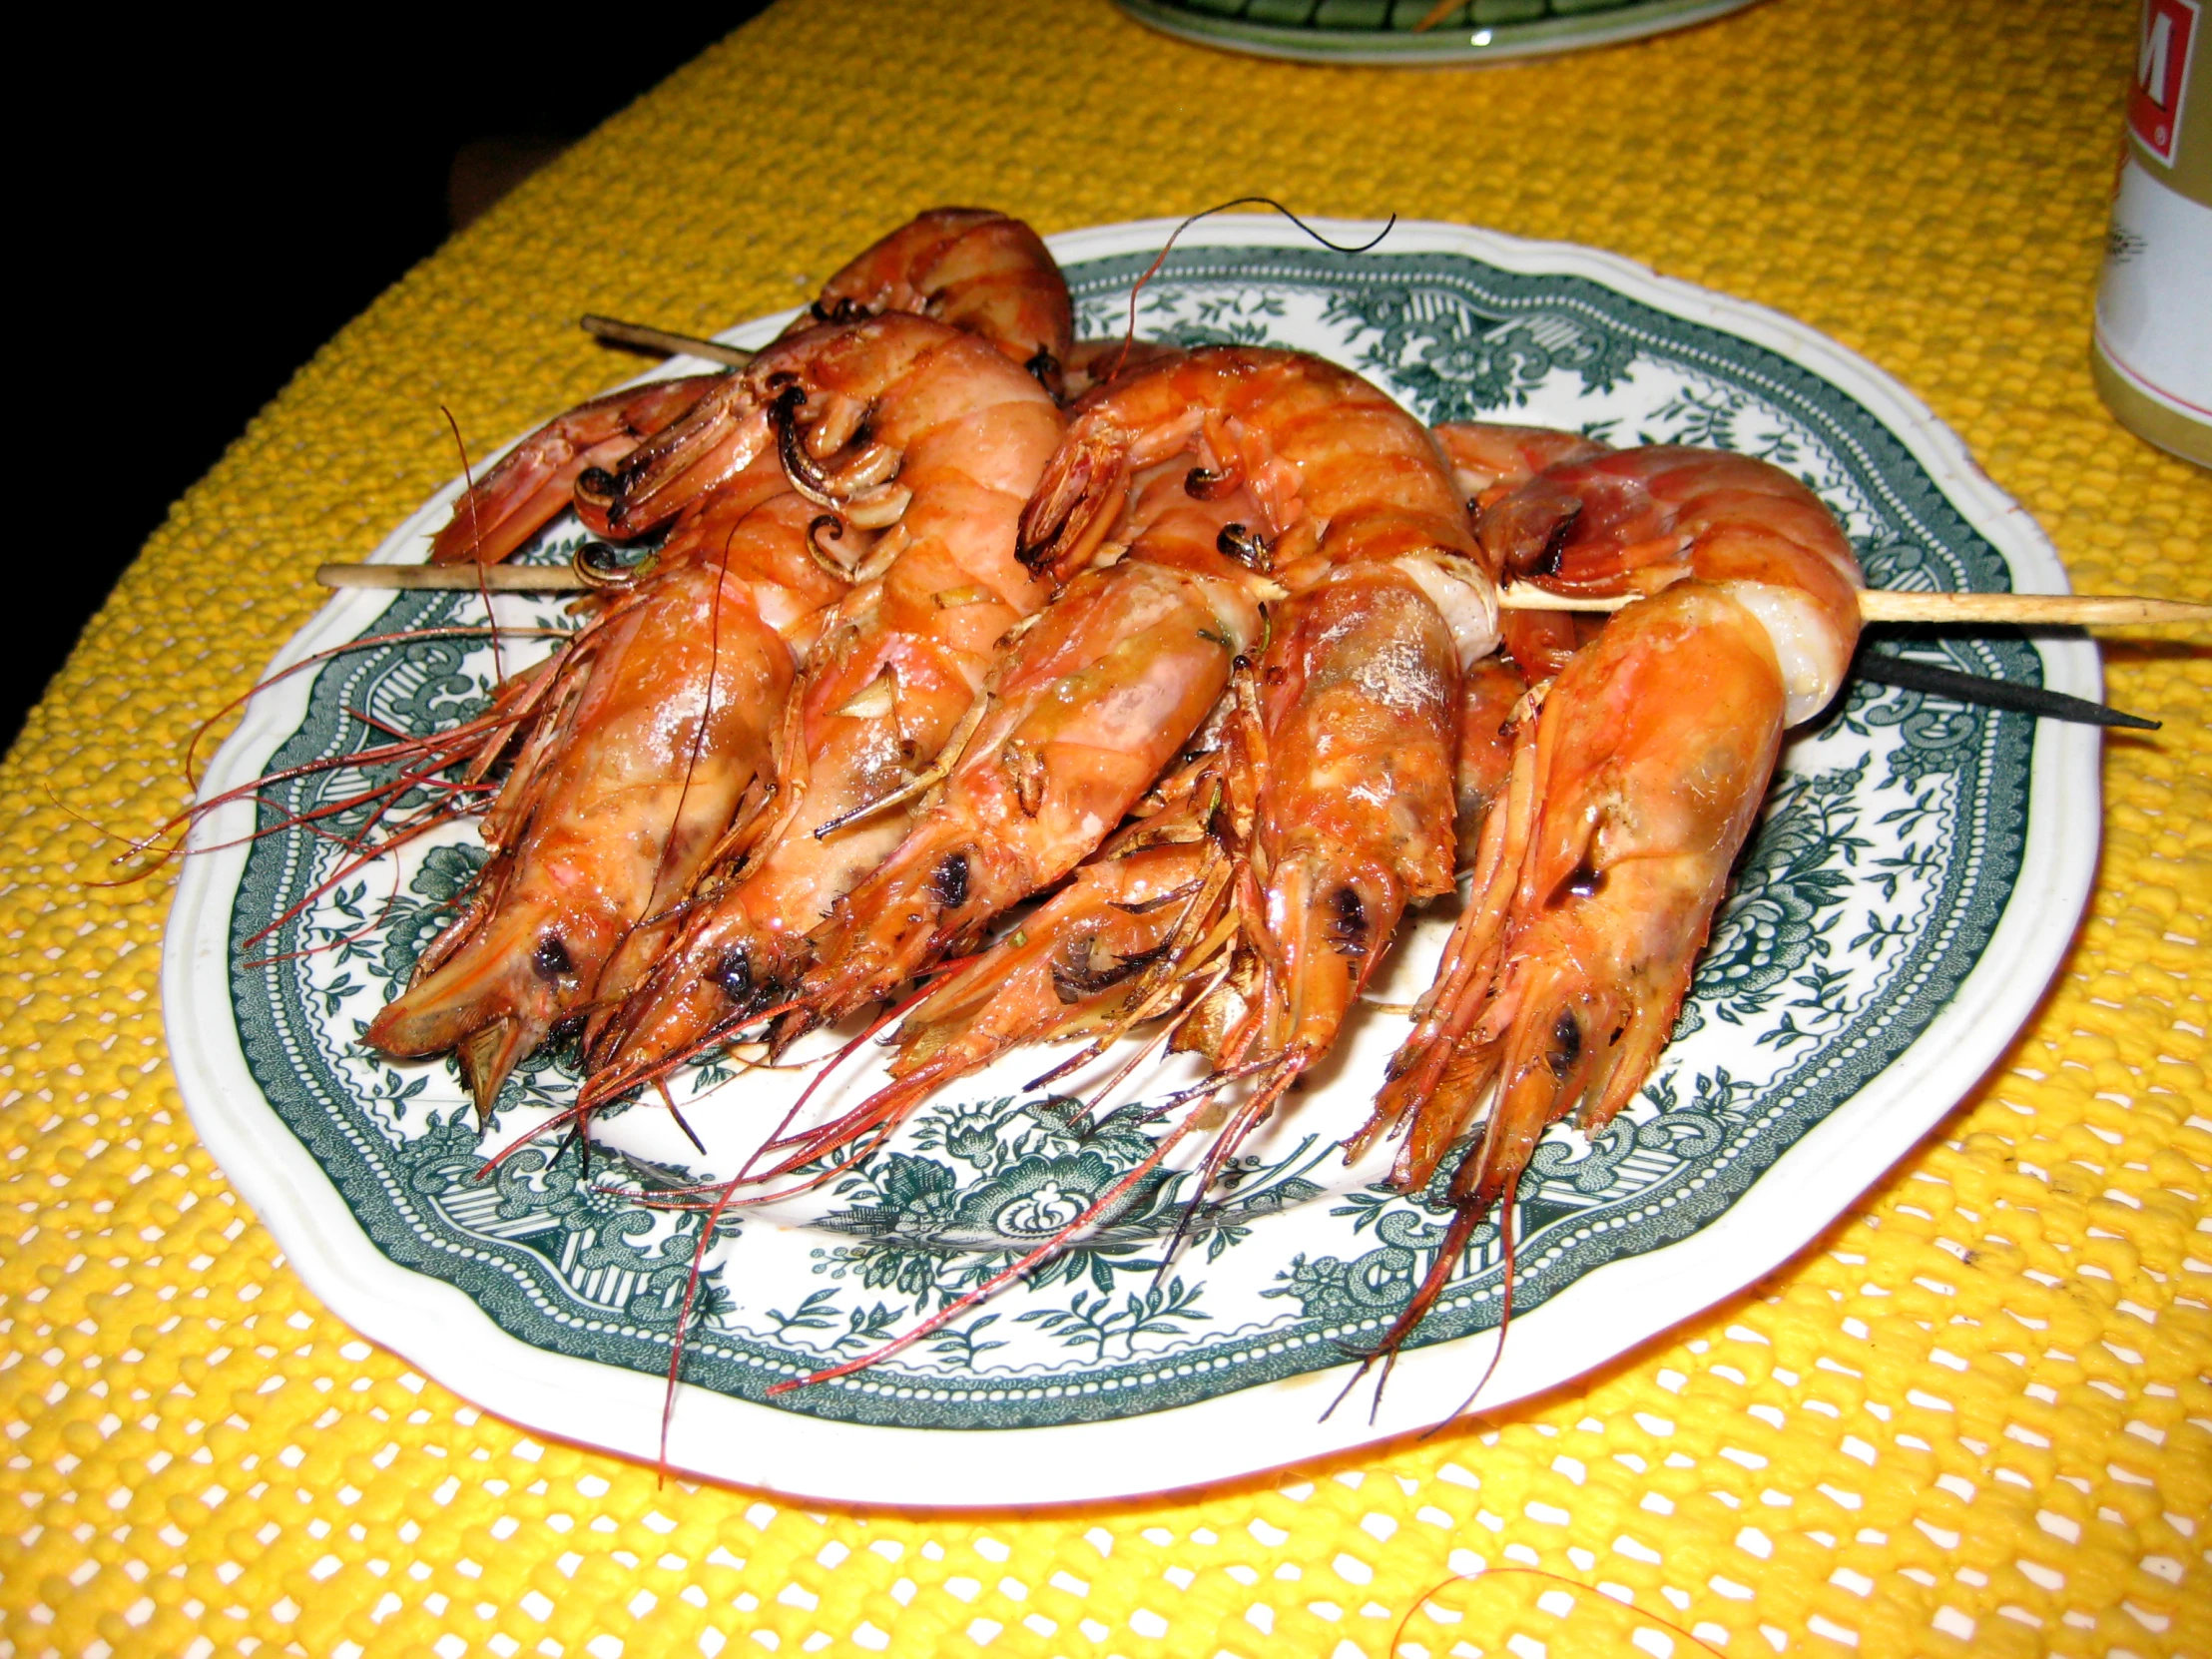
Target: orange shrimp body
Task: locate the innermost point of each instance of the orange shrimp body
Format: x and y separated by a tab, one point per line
1359	705
653	727
1653	754
976	270
896	667
1628	799
1081	716
759	528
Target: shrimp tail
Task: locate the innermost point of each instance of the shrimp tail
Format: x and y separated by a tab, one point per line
1075	503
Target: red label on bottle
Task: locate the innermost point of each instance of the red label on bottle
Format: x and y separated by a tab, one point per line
2161	72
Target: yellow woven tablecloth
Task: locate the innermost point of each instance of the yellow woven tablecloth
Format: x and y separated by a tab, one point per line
1975	1413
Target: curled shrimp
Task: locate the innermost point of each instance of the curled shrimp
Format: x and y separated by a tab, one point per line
895	668
638	747
972	268
1627	799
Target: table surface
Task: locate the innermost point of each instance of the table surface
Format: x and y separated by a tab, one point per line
1975	1413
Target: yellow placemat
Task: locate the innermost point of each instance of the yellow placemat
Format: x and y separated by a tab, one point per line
1974	1414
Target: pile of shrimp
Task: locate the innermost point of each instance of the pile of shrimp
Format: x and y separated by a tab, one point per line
1196	656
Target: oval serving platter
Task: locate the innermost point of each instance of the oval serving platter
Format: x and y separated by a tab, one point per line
1911	889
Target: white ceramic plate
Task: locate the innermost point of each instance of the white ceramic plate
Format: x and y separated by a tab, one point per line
1911	889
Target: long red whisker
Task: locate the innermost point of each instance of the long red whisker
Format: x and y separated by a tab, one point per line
377	920
1505	1309
476	539
831	1134
391	843
192	779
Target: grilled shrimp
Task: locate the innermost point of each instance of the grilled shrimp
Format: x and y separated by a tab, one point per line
527	489
1625	801
967	267
648	736
1112	949
896	667
976	270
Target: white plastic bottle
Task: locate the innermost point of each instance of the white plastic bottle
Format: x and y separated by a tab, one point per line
2153	352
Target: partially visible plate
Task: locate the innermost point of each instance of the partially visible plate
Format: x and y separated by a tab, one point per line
1383	31
1913	886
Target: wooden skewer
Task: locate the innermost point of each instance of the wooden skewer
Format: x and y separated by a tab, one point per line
1892	605
660	339
1874	604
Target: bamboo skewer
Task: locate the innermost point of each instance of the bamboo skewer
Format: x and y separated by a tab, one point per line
1874	604
1894	605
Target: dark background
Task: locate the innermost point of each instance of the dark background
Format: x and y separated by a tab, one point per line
223	197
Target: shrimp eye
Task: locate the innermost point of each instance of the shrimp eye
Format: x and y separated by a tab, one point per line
1567	1038
734	973
1348	923
596	482
1238	542
951	883
1202	483
1555	544
550	960
1582	881
1044	367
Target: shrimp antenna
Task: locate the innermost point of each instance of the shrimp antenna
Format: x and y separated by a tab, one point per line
1153	270
475	539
